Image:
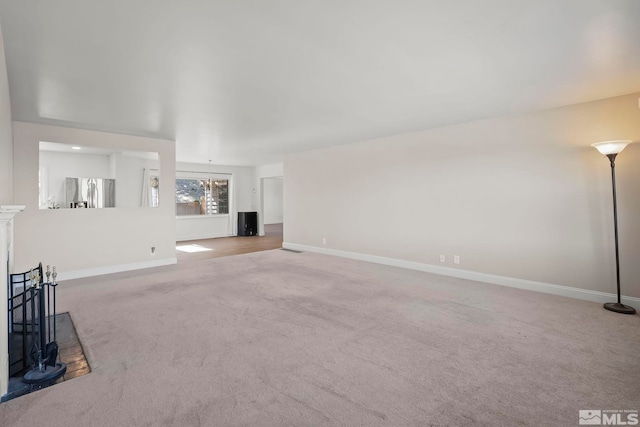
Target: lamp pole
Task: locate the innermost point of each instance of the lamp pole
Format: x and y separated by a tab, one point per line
611	149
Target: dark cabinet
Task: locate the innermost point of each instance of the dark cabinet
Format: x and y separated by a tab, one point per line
247	223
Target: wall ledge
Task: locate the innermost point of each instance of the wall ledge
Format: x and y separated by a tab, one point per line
98	271
202	236
530	285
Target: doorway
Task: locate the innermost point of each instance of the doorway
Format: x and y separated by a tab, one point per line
272	206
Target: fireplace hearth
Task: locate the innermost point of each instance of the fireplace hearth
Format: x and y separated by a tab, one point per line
35	356
71	353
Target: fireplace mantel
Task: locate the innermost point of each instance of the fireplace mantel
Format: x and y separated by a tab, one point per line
7	213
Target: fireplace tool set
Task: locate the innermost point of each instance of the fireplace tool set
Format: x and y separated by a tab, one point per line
44	350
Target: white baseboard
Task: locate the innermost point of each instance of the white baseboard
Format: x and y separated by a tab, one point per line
77	274
549	288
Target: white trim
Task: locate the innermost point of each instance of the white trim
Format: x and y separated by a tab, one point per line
11	209
202	236
180	174
7	213
530	285
183	217
261	208
77	274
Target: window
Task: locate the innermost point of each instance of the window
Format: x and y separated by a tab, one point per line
155	190
43	187
203	195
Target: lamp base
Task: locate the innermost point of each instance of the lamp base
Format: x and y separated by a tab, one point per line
619	308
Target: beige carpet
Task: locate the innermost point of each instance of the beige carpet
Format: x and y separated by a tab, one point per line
283	339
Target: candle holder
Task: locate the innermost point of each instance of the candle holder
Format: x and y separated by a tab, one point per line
34	278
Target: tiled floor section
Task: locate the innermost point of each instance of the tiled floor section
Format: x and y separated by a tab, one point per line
225	246
71	351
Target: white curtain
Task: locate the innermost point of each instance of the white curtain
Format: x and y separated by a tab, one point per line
233	213
145	199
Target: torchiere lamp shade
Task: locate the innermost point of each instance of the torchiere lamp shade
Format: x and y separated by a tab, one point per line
611	147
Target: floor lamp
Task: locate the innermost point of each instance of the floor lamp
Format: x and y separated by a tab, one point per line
611	149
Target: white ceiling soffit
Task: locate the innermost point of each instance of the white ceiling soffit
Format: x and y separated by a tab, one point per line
245	82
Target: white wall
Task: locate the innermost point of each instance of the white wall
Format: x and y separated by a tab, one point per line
6	137
125	167
85	241
129	170
206	227
62	165
6	198
521	196
272	193
269	171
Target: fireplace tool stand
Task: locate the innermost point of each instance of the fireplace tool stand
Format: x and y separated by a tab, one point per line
44	355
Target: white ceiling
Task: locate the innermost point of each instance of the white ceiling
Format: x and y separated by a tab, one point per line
246	81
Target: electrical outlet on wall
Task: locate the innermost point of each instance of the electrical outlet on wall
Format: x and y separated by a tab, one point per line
324	240
456	259
442	258
153	250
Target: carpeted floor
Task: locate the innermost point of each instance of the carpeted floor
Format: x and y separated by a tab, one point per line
277	338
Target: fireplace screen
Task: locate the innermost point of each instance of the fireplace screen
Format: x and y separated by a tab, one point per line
23	330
